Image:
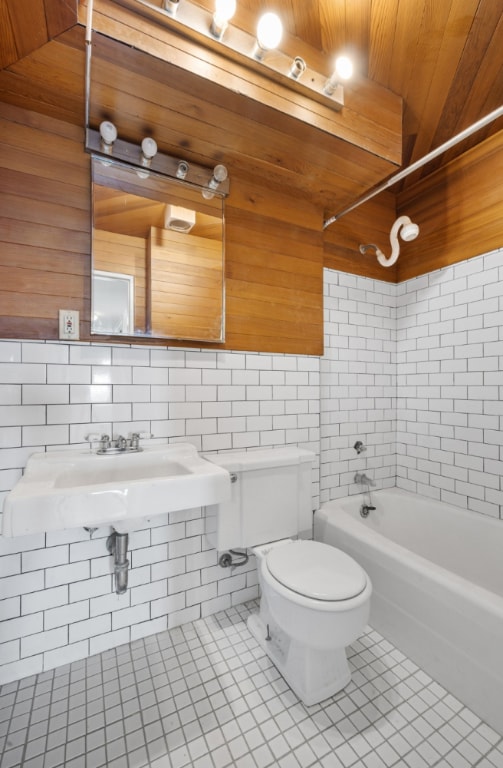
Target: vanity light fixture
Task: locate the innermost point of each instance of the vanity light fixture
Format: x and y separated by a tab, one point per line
214	30
215	182
269	34
343	70
108	134
224	11
148	151
219	175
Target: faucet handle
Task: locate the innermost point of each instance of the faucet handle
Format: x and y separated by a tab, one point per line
141	435
94	437
137	436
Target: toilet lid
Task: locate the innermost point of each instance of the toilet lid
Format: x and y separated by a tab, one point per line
316	570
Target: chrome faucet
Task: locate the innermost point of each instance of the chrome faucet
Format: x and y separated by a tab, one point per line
118	444
362	479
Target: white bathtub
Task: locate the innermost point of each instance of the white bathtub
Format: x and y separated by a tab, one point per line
437	574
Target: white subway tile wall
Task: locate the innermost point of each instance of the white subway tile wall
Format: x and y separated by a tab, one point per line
358	384
57	603
414	371
450	384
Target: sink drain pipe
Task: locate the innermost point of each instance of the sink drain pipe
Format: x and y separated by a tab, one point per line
117	544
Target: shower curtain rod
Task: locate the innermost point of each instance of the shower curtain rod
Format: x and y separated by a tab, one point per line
419	163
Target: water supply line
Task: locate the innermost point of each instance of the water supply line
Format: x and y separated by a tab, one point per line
494	115
233	558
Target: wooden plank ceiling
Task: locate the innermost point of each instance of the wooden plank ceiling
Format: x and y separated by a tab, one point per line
444	59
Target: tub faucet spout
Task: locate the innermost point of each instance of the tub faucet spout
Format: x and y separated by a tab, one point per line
362	479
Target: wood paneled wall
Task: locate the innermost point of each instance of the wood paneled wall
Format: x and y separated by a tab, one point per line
274	245
26	26
44	224
369	223
459	210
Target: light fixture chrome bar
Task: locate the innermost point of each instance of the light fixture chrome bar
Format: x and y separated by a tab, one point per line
128	152
196	23
461	136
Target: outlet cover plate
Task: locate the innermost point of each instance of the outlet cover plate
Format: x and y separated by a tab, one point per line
69	324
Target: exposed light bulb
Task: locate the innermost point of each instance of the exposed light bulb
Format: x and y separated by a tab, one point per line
224	11
269	34
108	133
344	67
219	175
148	151
343	71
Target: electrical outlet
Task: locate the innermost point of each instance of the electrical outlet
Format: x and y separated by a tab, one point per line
69	324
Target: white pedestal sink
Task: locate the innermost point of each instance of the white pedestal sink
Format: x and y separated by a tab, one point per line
70	489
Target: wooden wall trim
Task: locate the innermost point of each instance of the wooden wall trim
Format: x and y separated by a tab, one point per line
459	209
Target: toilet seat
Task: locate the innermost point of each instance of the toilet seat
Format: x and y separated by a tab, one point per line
316	570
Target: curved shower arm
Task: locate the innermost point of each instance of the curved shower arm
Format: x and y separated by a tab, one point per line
395	245
388	261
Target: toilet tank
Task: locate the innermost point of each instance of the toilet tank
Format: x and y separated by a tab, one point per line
271	498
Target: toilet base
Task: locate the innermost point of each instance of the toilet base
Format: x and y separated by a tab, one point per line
312	674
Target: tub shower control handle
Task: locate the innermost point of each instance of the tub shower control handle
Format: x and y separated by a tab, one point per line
365	509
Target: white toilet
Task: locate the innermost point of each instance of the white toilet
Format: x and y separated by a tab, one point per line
315	599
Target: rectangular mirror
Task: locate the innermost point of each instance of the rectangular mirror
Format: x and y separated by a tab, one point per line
157	256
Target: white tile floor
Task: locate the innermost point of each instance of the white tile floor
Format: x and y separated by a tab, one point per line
204	695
